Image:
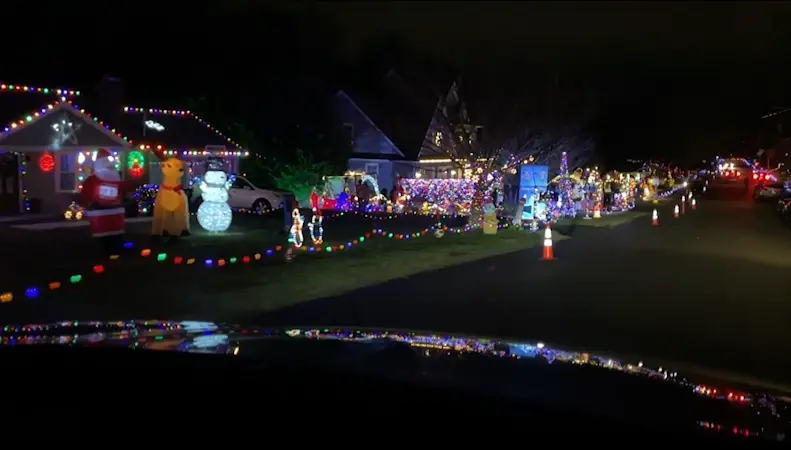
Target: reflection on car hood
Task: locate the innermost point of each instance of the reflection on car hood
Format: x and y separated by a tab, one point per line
231	339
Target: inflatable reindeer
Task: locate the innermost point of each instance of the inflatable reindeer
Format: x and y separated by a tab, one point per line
171	212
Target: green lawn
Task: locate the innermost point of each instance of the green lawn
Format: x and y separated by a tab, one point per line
606	221
377	260
238	285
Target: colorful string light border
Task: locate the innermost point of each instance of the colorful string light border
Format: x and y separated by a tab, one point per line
34	292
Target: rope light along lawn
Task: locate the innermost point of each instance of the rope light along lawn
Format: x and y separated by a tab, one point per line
34	292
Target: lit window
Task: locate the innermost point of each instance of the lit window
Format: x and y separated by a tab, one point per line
438	138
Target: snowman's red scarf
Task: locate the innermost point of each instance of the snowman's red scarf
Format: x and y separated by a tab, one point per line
177	188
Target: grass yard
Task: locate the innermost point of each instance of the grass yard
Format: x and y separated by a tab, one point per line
378	260
39	258
142	287
606	221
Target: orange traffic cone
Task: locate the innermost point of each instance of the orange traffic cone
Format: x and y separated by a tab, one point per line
675	212
683	202
547	254
694	204
655	218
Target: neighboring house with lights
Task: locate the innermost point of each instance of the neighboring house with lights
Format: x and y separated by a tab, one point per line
393	130
434	157
46	145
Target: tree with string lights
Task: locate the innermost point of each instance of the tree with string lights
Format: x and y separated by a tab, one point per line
488	130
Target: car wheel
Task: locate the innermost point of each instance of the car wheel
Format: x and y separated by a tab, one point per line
262	206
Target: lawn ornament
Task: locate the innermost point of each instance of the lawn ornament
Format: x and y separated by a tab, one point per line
316	228
489	219
439	233
103	202
171	216
214	214
295	233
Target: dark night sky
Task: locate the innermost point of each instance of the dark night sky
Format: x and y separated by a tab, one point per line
675	74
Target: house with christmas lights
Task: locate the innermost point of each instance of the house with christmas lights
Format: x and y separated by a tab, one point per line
179	133
393	128
434	157
47	144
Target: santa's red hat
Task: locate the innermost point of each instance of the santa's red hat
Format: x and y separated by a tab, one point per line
102	153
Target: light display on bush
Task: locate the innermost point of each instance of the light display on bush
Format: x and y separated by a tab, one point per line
214	214
445	193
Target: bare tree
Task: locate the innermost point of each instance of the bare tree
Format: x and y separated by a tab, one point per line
487	130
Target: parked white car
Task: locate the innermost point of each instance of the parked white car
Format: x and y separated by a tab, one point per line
244	194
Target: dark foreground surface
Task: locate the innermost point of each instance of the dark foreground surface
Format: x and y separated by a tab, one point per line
709	289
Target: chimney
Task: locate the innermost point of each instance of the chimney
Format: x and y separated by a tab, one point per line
110	99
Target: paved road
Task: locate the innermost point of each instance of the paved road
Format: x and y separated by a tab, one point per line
710	288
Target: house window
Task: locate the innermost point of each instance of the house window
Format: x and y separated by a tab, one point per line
348	130
372	169
438	138
67	173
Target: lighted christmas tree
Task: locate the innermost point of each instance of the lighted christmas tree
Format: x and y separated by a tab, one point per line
566	188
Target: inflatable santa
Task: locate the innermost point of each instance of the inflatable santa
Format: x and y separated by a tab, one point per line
102	199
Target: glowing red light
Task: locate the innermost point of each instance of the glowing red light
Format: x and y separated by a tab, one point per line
46	162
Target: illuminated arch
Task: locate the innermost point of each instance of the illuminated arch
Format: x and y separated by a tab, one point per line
372	181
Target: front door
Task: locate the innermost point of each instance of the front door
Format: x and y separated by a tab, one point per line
9	184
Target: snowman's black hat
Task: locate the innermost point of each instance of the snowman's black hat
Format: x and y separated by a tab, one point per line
214	164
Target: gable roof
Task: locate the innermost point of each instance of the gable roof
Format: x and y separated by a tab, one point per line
175	130
23	107
346	97
18	102
401	106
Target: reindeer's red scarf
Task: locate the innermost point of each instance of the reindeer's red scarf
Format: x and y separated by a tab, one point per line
177	188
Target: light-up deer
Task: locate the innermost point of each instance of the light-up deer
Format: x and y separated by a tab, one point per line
171	214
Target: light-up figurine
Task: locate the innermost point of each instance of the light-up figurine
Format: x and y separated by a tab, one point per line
297	220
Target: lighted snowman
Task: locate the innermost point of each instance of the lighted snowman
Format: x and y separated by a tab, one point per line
214	214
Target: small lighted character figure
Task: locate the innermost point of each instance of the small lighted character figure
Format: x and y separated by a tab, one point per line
316	228
295	233
489	219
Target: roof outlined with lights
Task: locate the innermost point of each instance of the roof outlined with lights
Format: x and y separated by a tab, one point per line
25	109
174	130
17	101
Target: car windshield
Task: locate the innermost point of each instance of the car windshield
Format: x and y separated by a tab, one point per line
504	169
